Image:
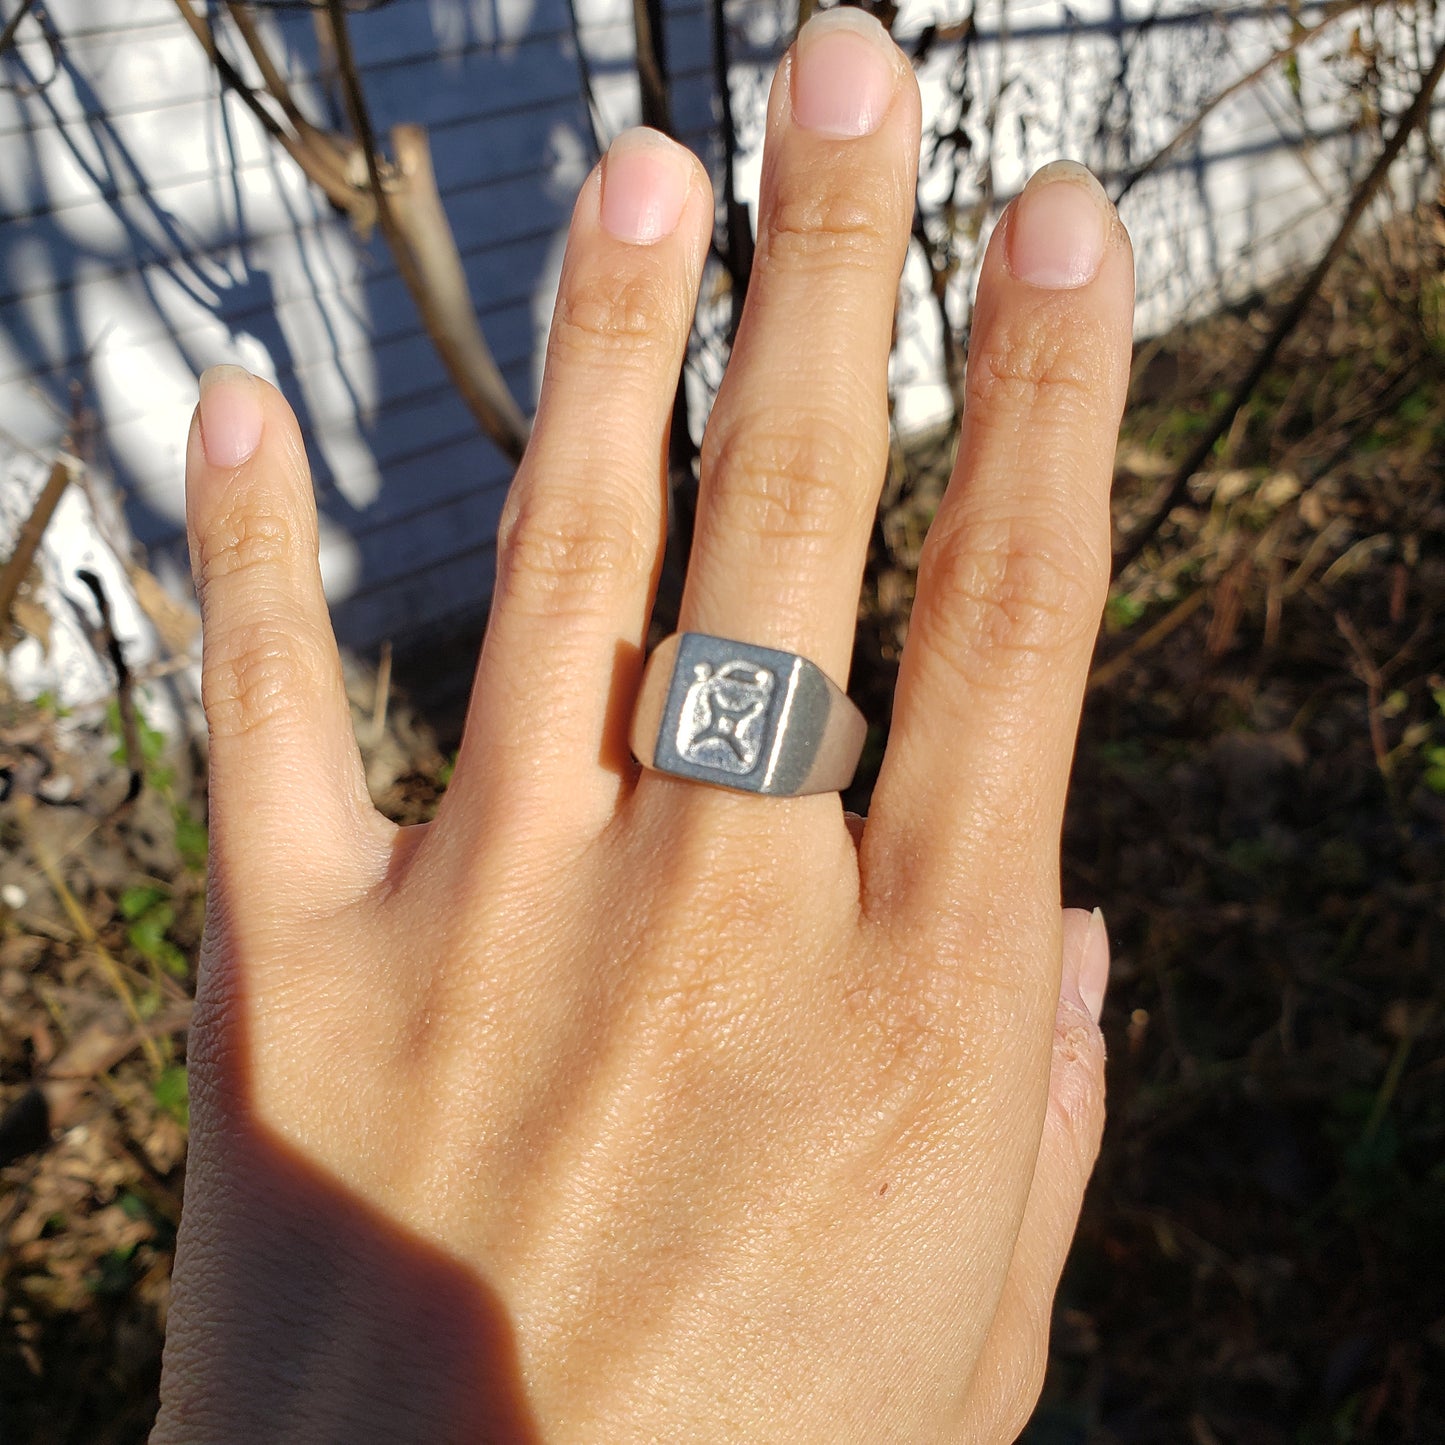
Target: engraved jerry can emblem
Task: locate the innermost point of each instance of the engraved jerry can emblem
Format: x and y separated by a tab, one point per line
721	719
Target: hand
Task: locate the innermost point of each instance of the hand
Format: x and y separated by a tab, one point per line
613	1107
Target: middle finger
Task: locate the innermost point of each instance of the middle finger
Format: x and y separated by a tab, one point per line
796	448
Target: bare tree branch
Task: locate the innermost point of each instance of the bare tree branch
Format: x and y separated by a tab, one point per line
941	246
271	77
7	36
17	565
243	18
424	248
1416	115
737	252
584	80
1243	82
650	37
403	201
647	25
353	7
942	266
343	196
444	299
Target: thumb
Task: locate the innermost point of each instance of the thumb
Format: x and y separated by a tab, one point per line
288	803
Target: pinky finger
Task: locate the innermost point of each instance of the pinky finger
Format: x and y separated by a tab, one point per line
1010	1370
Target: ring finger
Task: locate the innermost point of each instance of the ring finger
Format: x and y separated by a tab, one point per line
796	448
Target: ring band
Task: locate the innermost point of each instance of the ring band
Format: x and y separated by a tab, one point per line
745	717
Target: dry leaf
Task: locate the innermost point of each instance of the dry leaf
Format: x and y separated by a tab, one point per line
1275	491
175	620
33	620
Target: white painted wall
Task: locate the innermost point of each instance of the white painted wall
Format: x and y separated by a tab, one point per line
148	227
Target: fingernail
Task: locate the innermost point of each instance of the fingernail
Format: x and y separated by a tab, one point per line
645	180
845	70
230	415
1059	228
1094	965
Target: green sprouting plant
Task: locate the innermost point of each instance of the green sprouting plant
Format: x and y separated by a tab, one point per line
1417	407
1433	754
1435	769
1121	612
1292	78
47	702
151	740
116	1274
173	1093
191	838
1432	313
147	907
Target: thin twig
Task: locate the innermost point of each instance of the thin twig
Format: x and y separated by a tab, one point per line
1374	693
124	690
651	48
313	138
942	261
7	36
230	76
1177	615
1196	122
17	567
271	77
112	970
438	288
359	118
443	298
584	81
737	254
1409	122
345	197
381	698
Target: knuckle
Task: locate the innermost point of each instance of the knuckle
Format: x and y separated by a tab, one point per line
1076	1086
909	1030
1035	366
677	1008
562	556
810	228
251	681
248	540
683	1010
1015	592
782	482
613	317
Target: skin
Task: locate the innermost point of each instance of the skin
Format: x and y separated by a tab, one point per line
610	1107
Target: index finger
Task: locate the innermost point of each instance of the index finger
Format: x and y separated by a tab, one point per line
1016	564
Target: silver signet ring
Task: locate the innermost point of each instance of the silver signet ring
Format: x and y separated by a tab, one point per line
745	717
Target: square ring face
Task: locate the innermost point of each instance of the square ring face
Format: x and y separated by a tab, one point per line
720	720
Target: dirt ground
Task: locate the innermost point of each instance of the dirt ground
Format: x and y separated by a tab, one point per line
1258	806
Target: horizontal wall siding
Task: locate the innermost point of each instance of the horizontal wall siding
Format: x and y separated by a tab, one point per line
149	227
140	211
